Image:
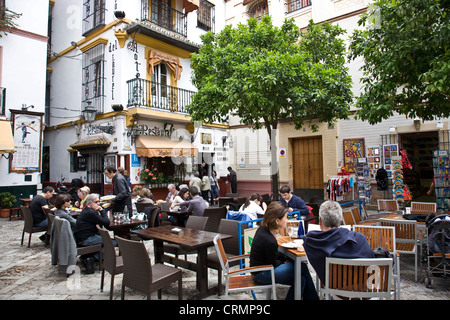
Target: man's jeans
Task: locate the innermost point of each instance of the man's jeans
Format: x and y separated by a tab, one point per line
43	223
91	241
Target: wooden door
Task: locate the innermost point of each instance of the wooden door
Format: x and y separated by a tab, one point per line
308	167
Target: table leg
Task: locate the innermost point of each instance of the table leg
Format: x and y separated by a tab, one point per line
202	272
158	250
298	279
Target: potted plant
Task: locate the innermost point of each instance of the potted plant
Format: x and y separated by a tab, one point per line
7	201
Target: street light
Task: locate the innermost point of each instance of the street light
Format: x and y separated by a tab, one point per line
89	112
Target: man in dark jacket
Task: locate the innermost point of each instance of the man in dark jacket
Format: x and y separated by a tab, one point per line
333	241
120	189
294	202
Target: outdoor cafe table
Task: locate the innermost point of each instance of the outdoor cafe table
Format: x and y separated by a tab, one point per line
298	256
122	229
191	240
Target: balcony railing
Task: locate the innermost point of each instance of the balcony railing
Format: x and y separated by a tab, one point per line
150	94
164	16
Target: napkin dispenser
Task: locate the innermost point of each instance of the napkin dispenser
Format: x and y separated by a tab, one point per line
177	231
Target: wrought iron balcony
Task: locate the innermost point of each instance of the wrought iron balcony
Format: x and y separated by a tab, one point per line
164	16
150	94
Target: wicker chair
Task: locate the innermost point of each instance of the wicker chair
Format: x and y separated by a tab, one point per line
214	216
140	275
28	225
111	262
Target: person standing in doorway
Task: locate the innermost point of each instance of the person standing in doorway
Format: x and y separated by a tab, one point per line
232	178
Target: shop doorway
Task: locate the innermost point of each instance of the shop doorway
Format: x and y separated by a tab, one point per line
419	147
308	168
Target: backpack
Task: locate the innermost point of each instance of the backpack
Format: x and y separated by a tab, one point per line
382	179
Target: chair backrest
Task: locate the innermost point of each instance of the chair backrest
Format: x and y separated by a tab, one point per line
214	214
140	206
221	254
196	222
109	253
355	215
232	195
358	278
241	200
137	270
423	207
378	236
151	216
51	218
347	216
28	218
230	227
387	205
405	230
165	206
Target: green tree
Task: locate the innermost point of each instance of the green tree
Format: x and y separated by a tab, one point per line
405	48
264	74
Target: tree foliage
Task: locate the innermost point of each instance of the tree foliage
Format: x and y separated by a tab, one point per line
405	48
265	74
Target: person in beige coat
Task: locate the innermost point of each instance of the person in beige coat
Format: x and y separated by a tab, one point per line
206	187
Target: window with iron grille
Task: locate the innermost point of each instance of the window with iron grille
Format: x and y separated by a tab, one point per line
93	15
93	77
205	16
294	5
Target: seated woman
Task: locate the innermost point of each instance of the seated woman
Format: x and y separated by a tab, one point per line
145	197
62	202
264	251
182	196
82	194
252	206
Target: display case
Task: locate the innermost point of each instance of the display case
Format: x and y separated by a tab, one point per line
441	167
363	181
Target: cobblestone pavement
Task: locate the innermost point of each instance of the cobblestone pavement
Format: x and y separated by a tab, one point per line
27	274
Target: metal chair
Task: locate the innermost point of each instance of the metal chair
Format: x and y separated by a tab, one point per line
140	275
406	237
358	278
111	262
358	220
241	279
231	247
383	236
214	214
28	225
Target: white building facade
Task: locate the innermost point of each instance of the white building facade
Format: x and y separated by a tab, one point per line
23	62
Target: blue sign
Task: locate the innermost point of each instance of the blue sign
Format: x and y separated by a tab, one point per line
135	161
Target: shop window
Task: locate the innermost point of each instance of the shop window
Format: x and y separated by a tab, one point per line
170	170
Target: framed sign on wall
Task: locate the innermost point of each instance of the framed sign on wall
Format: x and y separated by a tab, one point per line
27	131
353	149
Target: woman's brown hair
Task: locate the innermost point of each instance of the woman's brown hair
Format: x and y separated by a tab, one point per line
275	210
253	197
61	199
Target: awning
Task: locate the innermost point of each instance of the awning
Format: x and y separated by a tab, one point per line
156	57
156	146
92	144
6	137
191	5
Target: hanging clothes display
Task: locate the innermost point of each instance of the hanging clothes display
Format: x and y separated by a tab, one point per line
337	186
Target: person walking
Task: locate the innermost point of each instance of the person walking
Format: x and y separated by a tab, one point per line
120	189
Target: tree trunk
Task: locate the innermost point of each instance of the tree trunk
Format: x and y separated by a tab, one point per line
274	176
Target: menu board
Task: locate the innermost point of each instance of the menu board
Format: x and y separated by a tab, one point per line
27	141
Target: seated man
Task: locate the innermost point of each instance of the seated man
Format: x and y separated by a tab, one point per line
85	231
37	206
196	205
294	202
332	241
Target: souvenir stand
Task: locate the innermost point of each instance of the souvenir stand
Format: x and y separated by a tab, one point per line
441	167
363	181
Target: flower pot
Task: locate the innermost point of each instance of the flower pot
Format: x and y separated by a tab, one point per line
4	212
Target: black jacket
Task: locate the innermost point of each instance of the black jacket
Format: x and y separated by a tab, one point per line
85	226
122	192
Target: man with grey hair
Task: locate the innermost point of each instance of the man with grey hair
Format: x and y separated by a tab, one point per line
172	193
85	231
333	241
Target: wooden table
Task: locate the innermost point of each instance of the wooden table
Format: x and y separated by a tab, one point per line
26	201
122	229
299	256
192	240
